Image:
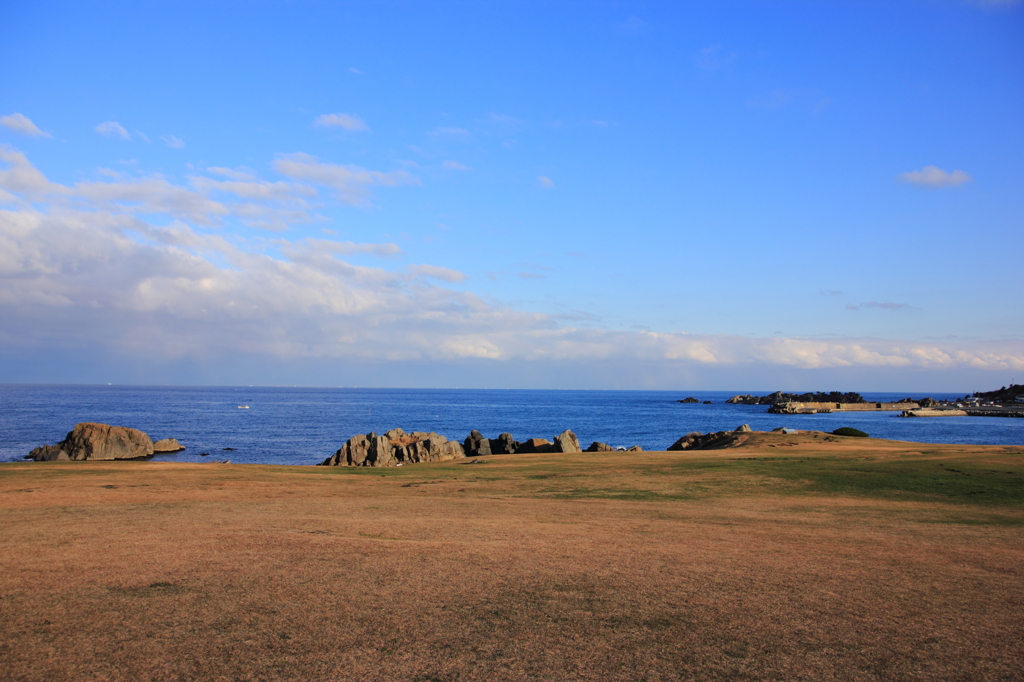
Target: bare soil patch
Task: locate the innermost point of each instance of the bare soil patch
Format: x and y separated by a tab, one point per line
789	557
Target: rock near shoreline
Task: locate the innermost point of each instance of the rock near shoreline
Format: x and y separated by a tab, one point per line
396	447
96	442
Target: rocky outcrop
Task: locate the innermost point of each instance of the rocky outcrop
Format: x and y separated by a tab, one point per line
476	445
535	445
705	441
567	441
691	399
745	428
168	445
1003	395
779	397
504	444
394	448
635	448
708	402
49	453
599	447
96	441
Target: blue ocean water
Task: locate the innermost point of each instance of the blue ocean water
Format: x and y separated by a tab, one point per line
305	425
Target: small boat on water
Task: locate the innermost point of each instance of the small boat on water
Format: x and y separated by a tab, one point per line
243	407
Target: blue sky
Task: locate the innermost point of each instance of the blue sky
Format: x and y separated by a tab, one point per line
588	195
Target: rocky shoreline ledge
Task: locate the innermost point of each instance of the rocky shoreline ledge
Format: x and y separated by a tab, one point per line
394	448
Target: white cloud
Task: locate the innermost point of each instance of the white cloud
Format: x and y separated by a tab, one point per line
349	182
20	123
932	176
438	272
233	174
346	121
117	263
173	142
454	165
348	248
20	176
545	181
112	129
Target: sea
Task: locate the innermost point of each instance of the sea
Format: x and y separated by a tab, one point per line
303	426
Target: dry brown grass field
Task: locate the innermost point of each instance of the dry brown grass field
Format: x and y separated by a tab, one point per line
789	558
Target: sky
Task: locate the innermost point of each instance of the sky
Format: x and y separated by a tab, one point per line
598	195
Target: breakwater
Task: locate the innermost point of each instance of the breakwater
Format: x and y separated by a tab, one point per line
817	408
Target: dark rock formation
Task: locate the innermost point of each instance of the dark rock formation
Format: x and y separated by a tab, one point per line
708	402
394	448
567	441
504	444
691	399
169	445
599	447
476	445
779	397
96	441
705	441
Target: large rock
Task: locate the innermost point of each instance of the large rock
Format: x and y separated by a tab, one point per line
97	441
599	447
567	441
504	444
691	399
49	453
535	445
394	448
745	428
705	441
168	445
476	445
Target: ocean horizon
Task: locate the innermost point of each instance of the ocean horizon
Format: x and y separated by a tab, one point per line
304	425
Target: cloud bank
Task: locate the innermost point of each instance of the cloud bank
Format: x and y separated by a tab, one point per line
139	266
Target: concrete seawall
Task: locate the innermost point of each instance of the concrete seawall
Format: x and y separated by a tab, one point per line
814	408
933	412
